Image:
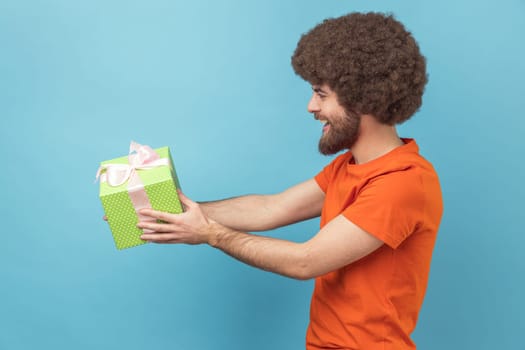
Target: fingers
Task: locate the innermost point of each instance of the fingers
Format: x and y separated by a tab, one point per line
160	232
161	238
159	215
156	227
156	232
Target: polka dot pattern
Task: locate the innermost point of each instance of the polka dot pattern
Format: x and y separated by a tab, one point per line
122	220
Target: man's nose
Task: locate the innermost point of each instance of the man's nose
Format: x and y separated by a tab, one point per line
313	104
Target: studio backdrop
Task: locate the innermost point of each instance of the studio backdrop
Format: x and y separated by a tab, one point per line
212	80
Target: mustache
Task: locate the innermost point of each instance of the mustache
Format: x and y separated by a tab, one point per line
347	115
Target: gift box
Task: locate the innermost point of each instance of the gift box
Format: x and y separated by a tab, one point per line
146	178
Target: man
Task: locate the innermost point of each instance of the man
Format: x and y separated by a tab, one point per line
380	201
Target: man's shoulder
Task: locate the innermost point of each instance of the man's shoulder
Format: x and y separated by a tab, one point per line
407	157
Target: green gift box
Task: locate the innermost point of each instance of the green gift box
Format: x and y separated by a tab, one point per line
156	180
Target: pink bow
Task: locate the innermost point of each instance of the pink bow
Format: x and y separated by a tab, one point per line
140	157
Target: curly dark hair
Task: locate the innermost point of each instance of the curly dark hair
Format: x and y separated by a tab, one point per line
371	62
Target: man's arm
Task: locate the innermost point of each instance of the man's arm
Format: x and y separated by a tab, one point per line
338	244
266	212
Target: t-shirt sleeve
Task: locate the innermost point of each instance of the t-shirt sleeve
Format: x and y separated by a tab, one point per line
389	207
324	176
322	179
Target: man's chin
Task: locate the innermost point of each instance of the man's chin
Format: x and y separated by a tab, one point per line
329	150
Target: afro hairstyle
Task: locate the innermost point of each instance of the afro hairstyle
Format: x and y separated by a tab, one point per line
369	60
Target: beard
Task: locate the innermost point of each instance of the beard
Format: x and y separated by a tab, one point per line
342	134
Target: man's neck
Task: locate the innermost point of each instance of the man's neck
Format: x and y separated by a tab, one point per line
375	139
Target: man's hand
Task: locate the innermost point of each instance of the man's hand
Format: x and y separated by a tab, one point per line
190	227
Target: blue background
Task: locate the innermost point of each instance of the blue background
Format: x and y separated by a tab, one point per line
212	80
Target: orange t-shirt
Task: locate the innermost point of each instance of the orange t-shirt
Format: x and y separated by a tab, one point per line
374	302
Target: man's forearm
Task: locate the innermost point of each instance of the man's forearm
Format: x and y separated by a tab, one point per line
265	212
246	213
282	257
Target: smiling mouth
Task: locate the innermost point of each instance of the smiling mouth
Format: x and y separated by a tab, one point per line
326	125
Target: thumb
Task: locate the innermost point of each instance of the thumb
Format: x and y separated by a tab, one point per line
186	202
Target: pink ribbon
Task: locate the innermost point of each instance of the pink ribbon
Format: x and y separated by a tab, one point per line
140	157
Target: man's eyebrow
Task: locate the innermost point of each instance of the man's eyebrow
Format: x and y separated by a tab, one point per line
318	89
